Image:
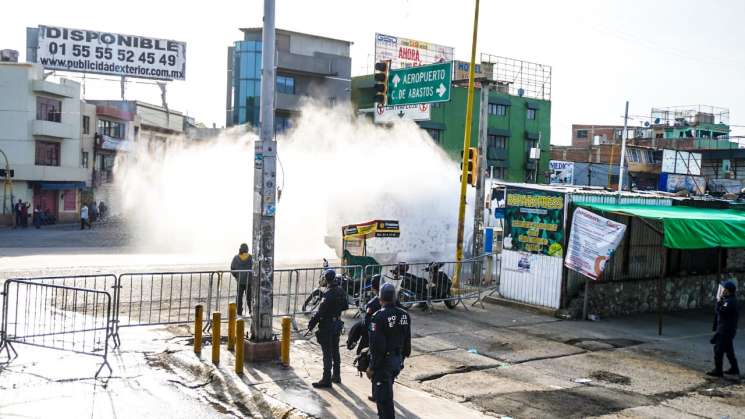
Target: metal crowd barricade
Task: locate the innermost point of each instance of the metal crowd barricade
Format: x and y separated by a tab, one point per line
308	292
55	316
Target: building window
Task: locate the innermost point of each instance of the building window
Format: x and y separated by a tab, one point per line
497	172
48	109
581	133
47	153
286	85
435	134
531	143
84	159
496	141
112	129
86	124
281	123
531	114
496	109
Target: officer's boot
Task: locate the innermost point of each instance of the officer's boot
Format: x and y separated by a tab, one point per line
325	382
336	378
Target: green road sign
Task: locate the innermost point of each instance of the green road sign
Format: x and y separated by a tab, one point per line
424	84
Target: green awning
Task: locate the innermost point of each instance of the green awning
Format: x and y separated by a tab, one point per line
688	227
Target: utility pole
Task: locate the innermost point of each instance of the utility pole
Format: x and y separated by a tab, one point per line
623	149
466	146
478	213
265	190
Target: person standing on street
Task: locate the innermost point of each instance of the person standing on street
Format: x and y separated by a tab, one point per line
333	303
725	328
17	211
390	344
84	221
24	214
241	263
37	217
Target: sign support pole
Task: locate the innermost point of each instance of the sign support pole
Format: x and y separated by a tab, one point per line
466	146
265	189
623	148
478	214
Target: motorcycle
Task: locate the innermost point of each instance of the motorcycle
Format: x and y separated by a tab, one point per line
358	291
416	289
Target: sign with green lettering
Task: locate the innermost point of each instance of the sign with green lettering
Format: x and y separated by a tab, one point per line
423	84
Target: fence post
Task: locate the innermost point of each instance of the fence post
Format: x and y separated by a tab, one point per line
231	326
216	338
198	312
285	347
240	332
209	300
294	297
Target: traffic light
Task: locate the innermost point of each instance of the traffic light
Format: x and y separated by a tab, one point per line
381	82
4	173
472	172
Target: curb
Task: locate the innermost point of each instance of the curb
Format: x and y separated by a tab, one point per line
520	306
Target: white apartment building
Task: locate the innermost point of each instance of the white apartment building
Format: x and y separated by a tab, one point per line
40	133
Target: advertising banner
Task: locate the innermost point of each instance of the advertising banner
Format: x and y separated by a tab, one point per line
116	54
562	172
534	221
418	112
404	52
592	242
681	162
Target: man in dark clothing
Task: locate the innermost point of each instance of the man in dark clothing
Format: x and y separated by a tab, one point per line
390	344
242	262
371	308
17	208
327	317
725	328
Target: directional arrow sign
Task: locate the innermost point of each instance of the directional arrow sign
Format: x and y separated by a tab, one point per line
424	84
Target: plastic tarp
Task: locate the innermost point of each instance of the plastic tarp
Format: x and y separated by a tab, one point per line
688	227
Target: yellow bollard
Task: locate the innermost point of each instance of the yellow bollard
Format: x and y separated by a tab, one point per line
240	332
231	326
285	345
216	337
198	311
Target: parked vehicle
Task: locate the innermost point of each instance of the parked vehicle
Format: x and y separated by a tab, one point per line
415	289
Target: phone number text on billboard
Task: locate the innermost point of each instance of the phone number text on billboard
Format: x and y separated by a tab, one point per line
109	53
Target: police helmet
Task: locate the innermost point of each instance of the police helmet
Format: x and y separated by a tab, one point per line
730	286
388	293
329	277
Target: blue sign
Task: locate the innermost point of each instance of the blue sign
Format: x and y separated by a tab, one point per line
488	240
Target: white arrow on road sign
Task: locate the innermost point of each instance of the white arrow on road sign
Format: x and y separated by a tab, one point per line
441	90
397	79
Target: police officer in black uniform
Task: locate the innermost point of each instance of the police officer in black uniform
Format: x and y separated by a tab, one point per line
390	344
329	328
725	328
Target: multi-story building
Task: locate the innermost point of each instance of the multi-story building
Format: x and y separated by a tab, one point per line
596	149
42	134
120	125
519	117
307	66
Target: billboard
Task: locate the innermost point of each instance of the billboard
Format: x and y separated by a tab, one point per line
418	112
562	172
534	221
481	71
592	242
405	53
681	162
87	51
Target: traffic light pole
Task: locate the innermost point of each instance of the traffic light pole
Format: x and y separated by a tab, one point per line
265	190
466	146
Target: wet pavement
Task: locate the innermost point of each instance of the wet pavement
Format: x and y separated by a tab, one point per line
490	360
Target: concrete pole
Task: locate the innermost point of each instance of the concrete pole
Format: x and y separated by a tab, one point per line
265	189
623	149
478	213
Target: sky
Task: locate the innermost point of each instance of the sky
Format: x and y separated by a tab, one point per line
602	53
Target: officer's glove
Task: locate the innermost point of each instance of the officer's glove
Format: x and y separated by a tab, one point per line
369	373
